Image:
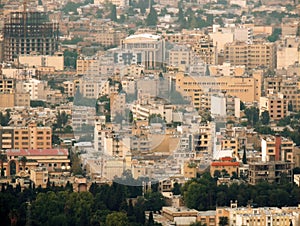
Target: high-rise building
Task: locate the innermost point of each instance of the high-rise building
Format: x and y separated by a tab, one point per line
29	32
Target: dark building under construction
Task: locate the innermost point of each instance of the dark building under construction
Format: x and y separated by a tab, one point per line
29	33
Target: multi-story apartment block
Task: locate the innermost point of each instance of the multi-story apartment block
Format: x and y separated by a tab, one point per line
106	38
87	65
251	55
10	96
225	106
83	115
30	137
240	216
230	143
152	48
186	37
288	86
69	88
277	148
206	50
29	32
93	88
275	104
35	88
180	56
270	171
143	111
117	104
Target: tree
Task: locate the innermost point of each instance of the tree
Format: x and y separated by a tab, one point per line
223	221
176	189
117	219
23	161
244	156
151	19
252	115
3	158
151	219
113	12
265	118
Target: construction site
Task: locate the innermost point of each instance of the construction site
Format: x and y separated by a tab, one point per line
27	33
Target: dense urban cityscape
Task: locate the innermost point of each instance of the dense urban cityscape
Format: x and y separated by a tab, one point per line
150	112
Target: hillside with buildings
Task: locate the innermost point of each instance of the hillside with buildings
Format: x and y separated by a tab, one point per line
150	112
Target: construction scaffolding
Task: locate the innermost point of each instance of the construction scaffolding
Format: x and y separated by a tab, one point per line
28	33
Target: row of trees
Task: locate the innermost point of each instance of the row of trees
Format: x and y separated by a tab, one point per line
101	205
204	194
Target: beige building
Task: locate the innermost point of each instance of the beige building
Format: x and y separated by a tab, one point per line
277	148
39	176
269	171
240	216
69	88
275	104
53	160
206	50
180	57
251	55
85	65
288	86
220	39
31	137
35	88
106	38
246	88
189	170
288	52
117	104
56	61
226	69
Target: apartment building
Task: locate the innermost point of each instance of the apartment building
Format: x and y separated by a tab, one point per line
275	104
186	37
206	50
69	88
288	86
224	105
87	65
93	87
277	148
117	104
30	137
269	171
107	37
251	55
240	216
35	88
180	57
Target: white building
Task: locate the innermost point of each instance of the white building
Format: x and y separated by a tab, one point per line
152	48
